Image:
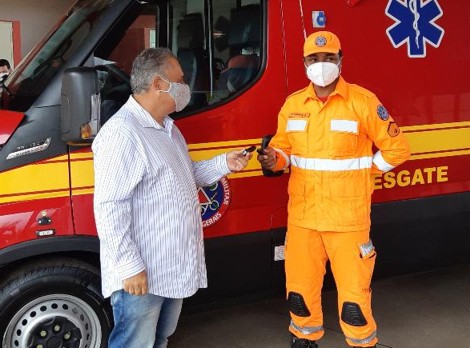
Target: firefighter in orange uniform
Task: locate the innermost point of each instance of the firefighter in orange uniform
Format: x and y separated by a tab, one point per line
325	134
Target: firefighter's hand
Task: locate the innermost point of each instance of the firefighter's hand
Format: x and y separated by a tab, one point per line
268	159
136	285
236	160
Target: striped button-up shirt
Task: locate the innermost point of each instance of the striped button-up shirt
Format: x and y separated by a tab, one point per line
146	205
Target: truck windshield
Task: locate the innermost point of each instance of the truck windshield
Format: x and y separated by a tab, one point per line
48	57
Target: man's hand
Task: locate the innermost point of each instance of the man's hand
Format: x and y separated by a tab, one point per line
236	161
268	158
136	285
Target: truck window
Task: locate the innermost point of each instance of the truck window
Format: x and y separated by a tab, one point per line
237	34
34	73
218	44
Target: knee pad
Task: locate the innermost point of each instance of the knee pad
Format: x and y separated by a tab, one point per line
351	314
297	305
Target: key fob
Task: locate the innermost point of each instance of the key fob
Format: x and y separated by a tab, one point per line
248	150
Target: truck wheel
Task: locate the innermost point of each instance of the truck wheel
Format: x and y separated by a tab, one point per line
54	304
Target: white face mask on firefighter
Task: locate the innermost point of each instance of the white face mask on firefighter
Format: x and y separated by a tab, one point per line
323	73
3	76
180	93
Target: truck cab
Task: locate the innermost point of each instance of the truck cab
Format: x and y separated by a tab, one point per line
241	59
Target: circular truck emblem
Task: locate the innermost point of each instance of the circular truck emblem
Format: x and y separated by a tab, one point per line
214	202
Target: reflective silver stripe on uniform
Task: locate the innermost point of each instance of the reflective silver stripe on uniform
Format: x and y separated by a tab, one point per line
306	330
331	165
285	157
365	340
366	248
344	126
381	163
296	125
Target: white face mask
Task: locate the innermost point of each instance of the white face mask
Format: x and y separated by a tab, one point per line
3	76
323	73
180	93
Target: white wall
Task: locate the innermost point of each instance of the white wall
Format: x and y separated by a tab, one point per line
6	43
36	18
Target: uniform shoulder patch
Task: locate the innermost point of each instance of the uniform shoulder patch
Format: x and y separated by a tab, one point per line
382	113
393	129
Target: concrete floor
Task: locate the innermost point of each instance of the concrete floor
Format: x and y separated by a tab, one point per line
426	310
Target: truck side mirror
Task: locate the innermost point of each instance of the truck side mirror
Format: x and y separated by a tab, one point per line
264	144
80	106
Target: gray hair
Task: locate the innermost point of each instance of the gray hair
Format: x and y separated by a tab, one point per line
149	62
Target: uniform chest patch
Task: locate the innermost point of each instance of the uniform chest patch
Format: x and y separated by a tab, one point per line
382	113
214	202
299	115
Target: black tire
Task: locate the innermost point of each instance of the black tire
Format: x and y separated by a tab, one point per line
54	303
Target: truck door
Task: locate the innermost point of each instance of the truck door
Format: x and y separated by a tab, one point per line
238	82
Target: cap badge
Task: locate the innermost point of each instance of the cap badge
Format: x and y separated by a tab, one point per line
320	41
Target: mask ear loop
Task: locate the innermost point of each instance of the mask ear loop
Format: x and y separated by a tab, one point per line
306	68
169	87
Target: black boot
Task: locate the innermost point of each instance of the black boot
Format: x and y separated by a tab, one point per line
302	343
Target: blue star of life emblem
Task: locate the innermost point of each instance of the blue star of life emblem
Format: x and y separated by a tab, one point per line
415	25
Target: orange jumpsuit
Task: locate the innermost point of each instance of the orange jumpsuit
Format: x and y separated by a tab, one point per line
329	149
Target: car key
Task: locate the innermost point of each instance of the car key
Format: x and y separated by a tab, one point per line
248	150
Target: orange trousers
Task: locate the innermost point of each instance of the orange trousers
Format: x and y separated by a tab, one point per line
352	258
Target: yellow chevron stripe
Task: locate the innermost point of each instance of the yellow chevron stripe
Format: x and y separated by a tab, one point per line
434	140
48	179
83	191
422	138
82	170
62	158
81	155
434	126
440	155
34	196
232	143
51	176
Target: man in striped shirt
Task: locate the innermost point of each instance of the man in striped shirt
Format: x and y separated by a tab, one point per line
146	205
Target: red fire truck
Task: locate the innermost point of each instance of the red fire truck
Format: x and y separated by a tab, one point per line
241	58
